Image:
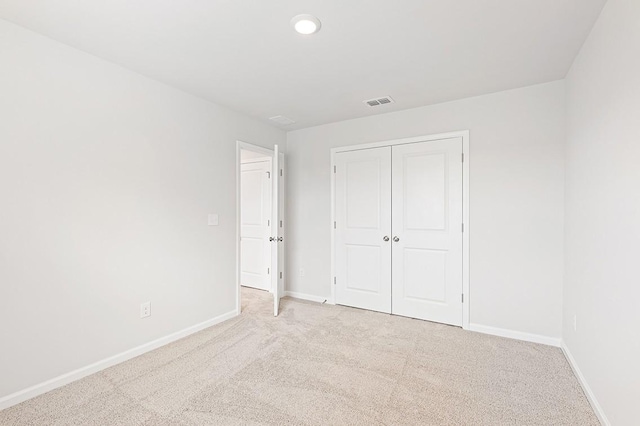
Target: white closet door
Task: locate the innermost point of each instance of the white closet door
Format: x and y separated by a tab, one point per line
363	229
255	215
427	230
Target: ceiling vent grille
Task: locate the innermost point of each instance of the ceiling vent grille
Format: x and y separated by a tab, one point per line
379	101
282	120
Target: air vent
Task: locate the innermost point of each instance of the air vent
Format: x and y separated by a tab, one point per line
379	101
282	120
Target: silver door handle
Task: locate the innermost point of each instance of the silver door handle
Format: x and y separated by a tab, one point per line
280	239
385	238
271	239
396	239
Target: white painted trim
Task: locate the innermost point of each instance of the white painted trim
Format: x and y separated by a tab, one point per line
255	160
464	134
466	247
240	145
303	296
332	283
255	148
513	334
72	376
585	386
282	162
426	138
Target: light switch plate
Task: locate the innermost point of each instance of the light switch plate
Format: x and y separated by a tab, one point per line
213	219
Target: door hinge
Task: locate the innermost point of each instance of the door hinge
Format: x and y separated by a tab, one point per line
463	157
268	222
280	275
268	271
280	224
268	175
334	225
462	297
280	172
334	280
463	227
334	169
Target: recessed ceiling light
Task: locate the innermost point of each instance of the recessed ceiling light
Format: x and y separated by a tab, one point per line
306	24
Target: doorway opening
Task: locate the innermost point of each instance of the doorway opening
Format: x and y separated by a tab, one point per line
255	219
259	221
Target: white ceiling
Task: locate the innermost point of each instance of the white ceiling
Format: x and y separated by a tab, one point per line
243	54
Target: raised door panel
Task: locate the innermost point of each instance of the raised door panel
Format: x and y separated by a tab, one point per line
362	197
420	263
253	210
425	200
360	278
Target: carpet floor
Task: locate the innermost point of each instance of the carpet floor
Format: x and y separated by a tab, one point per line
323	365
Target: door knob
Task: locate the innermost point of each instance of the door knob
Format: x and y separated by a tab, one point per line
271	239
396	239
280	239
385	238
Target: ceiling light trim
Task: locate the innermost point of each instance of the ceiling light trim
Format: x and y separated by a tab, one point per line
306	24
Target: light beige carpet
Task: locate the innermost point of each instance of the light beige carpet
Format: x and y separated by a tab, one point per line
323	365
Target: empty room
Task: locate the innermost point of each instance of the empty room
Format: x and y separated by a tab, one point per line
319	212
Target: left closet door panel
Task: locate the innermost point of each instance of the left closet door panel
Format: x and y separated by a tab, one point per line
363	229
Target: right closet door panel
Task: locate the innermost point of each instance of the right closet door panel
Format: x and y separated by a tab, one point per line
427	230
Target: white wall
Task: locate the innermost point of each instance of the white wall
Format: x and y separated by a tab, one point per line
516	206
602	283
106	179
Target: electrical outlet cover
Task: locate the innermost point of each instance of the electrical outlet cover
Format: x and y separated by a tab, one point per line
145	309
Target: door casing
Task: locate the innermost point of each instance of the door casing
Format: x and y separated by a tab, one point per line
464	134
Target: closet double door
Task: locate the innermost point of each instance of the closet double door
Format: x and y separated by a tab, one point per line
398	229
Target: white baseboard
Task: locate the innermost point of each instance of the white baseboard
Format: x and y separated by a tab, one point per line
56	382
585	386
303	296
518	335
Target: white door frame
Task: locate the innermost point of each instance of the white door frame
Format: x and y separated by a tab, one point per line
240	145
464	134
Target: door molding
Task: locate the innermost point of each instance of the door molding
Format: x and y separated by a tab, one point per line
464	134
240	145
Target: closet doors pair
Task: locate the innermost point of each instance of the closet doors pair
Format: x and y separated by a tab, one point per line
398	229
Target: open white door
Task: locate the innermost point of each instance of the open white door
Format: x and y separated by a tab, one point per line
277	238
